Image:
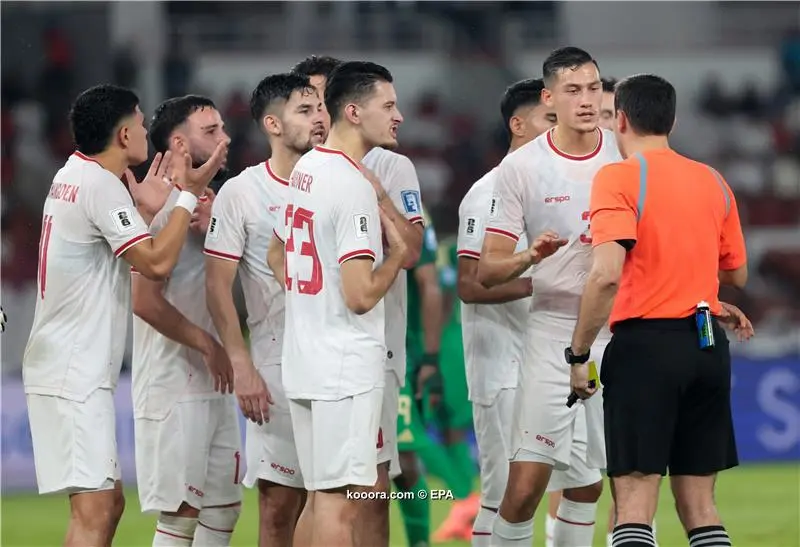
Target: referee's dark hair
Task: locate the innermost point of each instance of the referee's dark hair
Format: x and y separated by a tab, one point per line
352	82
648	102
523	93
608	84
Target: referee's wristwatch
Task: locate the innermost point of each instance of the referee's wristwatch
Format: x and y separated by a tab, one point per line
573	359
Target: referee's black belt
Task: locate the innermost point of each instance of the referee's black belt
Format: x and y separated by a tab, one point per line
682	324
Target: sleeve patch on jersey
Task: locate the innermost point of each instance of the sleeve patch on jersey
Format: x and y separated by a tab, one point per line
361	225
123	220
495	207
472	228
411	201
213	229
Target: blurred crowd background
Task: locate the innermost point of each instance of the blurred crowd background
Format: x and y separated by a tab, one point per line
736	67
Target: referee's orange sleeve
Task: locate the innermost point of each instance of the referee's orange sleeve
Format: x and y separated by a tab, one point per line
732	252
613	207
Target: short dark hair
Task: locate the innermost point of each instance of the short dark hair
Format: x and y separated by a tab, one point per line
609	84
96	113
314	65
352	82
648	101
172	113
273	88
564	58
523	93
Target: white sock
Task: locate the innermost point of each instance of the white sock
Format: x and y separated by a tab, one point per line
574	524
174	531
482	528
550	527
215	526
508	534
610	539
654	531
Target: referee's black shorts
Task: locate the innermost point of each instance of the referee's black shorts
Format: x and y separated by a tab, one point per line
666	401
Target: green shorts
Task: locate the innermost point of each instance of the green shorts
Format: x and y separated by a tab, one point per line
410	427
455	412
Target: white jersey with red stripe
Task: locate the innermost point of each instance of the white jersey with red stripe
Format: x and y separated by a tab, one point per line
83	303
244	215
493	333
541	188
163	371
331	216
399	179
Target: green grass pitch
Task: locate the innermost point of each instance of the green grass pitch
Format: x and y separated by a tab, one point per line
759	504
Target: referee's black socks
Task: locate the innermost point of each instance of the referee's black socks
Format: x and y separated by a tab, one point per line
709	536
633	535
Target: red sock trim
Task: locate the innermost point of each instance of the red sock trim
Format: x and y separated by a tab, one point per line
159	531
215	529
575	523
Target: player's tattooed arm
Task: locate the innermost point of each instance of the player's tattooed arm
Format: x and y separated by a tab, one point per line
471	291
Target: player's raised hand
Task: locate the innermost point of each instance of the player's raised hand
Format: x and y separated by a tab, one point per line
152	192
392	235
196	180
545	245
202	213
251	390
219	366
735	319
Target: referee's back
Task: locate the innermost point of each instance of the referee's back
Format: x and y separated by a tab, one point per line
685	228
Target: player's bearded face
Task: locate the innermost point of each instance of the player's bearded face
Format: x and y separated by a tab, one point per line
380	117
577	96
205	130
303	121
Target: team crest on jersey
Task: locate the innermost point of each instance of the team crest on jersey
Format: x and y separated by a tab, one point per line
471	230
361	224
213	228
494	208
123	220
411	201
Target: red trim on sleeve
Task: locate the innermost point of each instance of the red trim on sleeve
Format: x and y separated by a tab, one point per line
276	234
225	256
414	220
339	152
468	253
130	243
354	254
498	231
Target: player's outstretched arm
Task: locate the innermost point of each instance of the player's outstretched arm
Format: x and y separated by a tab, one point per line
275	260
362	286
155	258
471	291
499	263
150	305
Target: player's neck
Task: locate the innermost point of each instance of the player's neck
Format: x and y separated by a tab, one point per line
282	161
575	143
646	144
111	160
348	141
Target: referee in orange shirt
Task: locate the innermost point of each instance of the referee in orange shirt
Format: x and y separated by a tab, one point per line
666	232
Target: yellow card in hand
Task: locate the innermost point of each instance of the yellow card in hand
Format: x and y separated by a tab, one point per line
593	374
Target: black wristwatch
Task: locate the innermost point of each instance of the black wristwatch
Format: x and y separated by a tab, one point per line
573	359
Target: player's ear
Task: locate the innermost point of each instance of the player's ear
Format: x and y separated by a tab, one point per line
272	125
547	97
178	142
352	114
622	121
516	126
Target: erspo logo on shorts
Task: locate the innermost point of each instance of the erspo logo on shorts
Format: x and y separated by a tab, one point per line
282	469
545	440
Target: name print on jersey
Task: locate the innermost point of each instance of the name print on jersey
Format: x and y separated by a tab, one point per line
302	181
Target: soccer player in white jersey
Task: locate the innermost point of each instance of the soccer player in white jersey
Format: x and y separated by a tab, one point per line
544	187
493	320
336	277
245	214
74	354
397	188
186	425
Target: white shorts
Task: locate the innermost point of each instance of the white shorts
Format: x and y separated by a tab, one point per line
388	428
543	425
193	455
493	435
74	443
579	473
338	441
270	448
